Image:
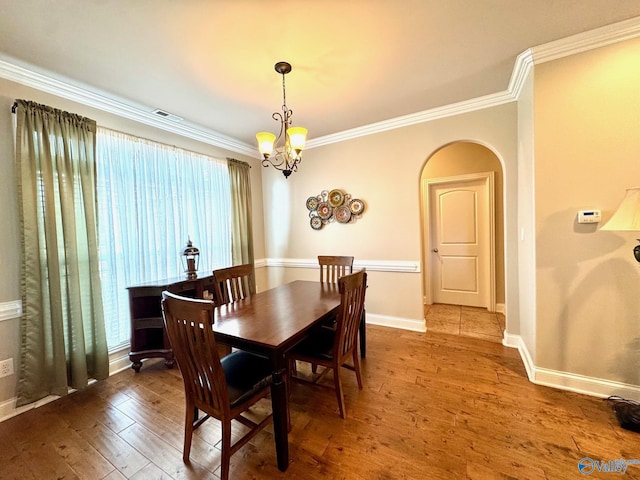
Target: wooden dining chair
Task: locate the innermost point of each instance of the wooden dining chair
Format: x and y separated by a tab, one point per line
234	283
331	269
334	267
223	389
332	348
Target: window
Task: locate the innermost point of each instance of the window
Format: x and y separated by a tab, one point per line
151	199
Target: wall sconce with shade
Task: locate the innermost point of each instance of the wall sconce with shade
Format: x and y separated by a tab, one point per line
288	155
627	217
190	260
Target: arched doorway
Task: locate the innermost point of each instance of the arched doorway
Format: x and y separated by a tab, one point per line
461	162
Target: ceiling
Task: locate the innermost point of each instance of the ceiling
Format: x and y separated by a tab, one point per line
355	62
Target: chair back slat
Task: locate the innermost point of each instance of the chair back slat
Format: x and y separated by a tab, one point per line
234	283
334	267
352	293
195	350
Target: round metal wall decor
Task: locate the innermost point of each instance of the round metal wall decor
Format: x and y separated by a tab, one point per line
316	223
333	205
324	211
336	197
343	214
356	206
312	203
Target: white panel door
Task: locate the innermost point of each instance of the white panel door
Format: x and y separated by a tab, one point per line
460	242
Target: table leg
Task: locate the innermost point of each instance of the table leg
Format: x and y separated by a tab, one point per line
280	406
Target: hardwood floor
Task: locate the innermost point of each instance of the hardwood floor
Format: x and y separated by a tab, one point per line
434	406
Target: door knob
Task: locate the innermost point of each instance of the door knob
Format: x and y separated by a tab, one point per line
435	250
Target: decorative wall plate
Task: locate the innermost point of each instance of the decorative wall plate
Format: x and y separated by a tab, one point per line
316	223
312	203
356	206
336	197
342	214
324	211
333	206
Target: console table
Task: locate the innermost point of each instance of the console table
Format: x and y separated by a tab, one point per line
148	337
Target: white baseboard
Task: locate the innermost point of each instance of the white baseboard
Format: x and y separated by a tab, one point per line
8	407
414	325
119	361
515	341
573	382
596	387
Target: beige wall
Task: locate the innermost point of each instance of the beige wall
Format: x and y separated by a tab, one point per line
526	220
461	158
9	237
587	152
384	170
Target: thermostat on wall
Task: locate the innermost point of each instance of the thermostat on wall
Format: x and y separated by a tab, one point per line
588	216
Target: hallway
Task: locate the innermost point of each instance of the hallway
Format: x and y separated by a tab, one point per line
465	321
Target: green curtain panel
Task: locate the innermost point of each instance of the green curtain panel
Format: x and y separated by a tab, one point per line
63	342
242	219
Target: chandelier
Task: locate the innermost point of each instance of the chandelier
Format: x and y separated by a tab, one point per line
286	154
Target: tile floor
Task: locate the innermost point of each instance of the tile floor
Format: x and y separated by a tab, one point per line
465	321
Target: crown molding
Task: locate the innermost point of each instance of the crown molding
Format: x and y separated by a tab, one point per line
11	69
450	110
523	67
581	42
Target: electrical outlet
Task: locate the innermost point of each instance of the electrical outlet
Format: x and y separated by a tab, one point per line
6	367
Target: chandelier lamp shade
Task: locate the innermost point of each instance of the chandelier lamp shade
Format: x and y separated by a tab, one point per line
627	217
283	152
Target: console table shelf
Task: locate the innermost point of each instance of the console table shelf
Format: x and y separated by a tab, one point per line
148	337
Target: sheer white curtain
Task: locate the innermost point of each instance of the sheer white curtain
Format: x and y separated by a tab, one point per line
151	199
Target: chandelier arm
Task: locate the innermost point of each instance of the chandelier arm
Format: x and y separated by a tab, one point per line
278	166
280	162
277	116
276	160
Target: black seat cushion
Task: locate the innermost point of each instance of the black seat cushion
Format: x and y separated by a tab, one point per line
246	374
318	344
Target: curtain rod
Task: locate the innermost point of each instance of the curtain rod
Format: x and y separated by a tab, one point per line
239	161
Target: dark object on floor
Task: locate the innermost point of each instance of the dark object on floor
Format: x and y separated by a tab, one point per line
627	411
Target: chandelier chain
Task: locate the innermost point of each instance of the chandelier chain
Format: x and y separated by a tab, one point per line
284	95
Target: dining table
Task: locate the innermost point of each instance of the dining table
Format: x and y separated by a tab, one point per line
270	323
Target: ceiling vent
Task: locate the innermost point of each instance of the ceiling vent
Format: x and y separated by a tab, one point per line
167	115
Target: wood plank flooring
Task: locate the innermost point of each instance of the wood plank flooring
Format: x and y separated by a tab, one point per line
434	406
